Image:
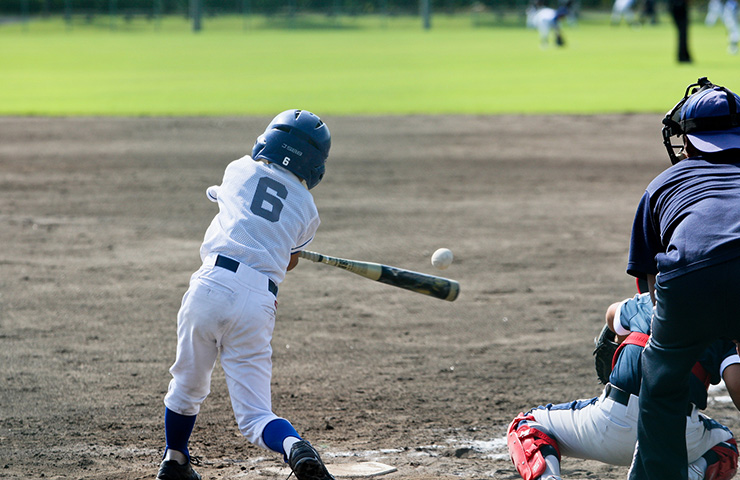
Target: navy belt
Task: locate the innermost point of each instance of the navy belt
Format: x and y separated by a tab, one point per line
617	394
623	398
233	265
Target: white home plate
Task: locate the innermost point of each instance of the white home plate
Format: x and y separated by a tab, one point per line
344	470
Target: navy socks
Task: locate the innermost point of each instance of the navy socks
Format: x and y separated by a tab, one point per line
276	432
177	430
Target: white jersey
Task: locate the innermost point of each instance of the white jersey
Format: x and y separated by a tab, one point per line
265	215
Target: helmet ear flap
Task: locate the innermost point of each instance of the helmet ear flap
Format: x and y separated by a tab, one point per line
259	145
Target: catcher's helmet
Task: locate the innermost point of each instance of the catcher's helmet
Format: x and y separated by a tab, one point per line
707	115
298	141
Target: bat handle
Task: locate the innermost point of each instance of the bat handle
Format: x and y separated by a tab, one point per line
312	256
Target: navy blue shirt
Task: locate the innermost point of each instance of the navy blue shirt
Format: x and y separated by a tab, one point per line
635	315
688	218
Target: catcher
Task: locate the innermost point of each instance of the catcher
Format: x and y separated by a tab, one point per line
604	428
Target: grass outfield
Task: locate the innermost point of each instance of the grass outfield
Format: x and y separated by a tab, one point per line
368	65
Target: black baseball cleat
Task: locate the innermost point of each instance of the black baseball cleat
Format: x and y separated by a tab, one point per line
305	462
171	470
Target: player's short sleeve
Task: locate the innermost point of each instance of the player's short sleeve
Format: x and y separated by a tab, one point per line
634	315
719	355
212	193
308	235
645	241
731	358
301	247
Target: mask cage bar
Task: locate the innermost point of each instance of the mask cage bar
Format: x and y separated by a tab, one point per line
671	123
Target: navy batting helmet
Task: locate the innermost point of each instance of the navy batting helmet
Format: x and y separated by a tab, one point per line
298	141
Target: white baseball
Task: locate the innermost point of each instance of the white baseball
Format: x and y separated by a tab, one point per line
442	258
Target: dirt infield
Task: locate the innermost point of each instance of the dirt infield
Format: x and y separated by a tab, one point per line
101	220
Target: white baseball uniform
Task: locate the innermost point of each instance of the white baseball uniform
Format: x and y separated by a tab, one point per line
728	11
545	20
623	9
265	214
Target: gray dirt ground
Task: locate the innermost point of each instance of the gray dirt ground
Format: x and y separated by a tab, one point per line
101	220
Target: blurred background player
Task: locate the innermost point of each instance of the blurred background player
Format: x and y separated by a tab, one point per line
266	217
649	13
623	10
679	10
604	428
727	10
546	21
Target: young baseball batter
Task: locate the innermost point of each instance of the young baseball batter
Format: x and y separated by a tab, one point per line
686	242
266	217
604	428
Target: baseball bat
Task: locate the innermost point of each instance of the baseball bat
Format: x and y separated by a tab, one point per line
437	287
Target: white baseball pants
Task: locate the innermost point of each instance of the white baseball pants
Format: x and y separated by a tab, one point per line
604	430
231	314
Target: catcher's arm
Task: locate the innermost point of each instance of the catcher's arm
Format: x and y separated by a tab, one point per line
611	315
731	376
651	286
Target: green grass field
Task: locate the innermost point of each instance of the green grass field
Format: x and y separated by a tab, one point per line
365	65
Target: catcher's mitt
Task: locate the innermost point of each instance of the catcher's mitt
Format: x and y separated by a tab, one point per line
606	346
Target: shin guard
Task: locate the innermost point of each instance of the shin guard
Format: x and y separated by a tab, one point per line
726	465
525	447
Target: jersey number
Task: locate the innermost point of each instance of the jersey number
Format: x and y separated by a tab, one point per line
267	201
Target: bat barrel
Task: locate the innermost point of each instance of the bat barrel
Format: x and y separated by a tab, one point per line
437	287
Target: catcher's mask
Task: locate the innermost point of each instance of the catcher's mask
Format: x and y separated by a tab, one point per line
708	115
298	141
